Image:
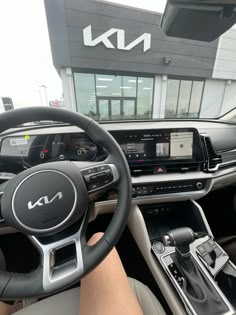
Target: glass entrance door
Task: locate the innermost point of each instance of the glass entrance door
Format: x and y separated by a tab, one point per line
129	108
103	106
116	108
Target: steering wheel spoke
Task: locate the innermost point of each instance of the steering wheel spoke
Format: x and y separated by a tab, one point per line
99	176
61	259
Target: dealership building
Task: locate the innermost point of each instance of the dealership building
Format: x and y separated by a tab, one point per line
115	62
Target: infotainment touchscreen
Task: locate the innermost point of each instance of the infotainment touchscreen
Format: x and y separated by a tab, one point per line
162	145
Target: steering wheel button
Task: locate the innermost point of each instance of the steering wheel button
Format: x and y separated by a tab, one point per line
89	171
93	178
103	168
109	174
94	186
101	176
107	181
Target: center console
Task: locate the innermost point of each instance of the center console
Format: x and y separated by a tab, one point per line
198	269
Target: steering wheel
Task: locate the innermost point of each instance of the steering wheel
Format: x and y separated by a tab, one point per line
51	204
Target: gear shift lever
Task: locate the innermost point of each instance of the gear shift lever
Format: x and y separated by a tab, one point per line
201	294
180	238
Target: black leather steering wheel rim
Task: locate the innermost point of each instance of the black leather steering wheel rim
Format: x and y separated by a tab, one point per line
16	286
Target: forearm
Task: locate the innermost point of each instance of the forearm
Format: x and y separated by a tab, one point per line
106	289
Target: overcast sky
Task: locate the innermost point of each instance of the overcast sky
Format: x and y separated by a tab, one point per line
25	55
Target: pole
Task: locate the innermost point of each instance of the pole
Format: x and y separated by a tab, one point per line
45	93
41	101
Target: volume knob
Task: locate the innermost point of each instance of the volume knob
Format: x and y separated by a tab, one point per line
199	185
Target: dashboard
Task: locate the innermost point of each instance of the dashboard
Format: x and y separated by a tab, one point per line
177	160
141	147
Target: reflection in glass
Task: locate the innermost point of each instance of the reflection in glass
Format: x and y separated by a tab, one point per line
115	109
172	98
184	99
128	87
85	94
196	98
145	97
108	85
103	109
129	108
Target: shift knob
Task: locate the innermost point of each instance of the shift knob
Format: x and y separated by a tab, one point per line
180	238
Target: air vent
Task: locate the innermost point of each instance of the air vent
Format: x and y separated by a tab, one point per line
213	159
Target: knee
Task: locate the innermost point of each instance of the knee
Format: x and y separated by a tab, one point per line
95	238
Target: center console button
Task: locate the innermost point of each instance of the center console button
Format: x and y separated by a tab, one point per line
208	260
212	243
199	185
158	247
218	252
201	249
208	247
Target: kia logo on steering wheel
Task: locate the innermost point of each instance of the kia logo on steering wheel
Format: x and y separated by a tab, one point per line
44	201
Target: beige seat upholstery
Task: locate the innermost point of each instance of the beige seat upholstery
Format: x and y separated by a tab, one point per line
68	302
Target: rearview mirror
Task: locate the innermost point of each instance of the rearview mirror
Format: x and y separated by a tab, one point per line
203	20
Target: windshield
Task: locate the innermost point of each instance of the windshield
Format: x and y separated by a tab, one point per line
111	61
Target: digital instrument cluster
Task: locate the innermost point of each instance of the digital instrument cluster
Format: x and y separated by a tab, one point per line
33	150
141	147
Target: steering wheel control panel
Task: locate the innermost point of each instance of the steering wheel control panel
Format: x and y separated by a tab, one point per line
100	176
169	187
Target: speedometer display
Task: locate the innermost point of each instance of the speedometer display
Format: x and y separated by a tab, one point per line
29	150
79	147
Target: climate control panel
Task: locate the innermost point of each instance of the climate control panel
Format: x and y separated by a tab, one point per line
168	187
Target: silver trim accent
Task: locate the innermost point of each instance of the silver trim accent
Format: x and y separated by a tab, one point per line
202	214
166	240
70	272
219	165
173	238
183	297
58	225
1	220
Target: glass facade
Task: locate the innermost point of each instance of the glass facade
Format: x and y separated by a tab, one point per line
114	97
183	99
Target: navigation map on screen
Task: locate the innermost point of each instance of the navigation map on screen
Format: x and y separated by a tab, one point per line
181	145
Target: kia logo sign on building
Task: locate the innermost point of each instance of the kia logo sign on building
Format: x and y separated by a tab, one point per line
104	38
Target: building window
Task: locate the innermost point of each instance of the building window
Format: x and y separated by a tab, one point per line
114	97
85	93
172	98
145	97
183	98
